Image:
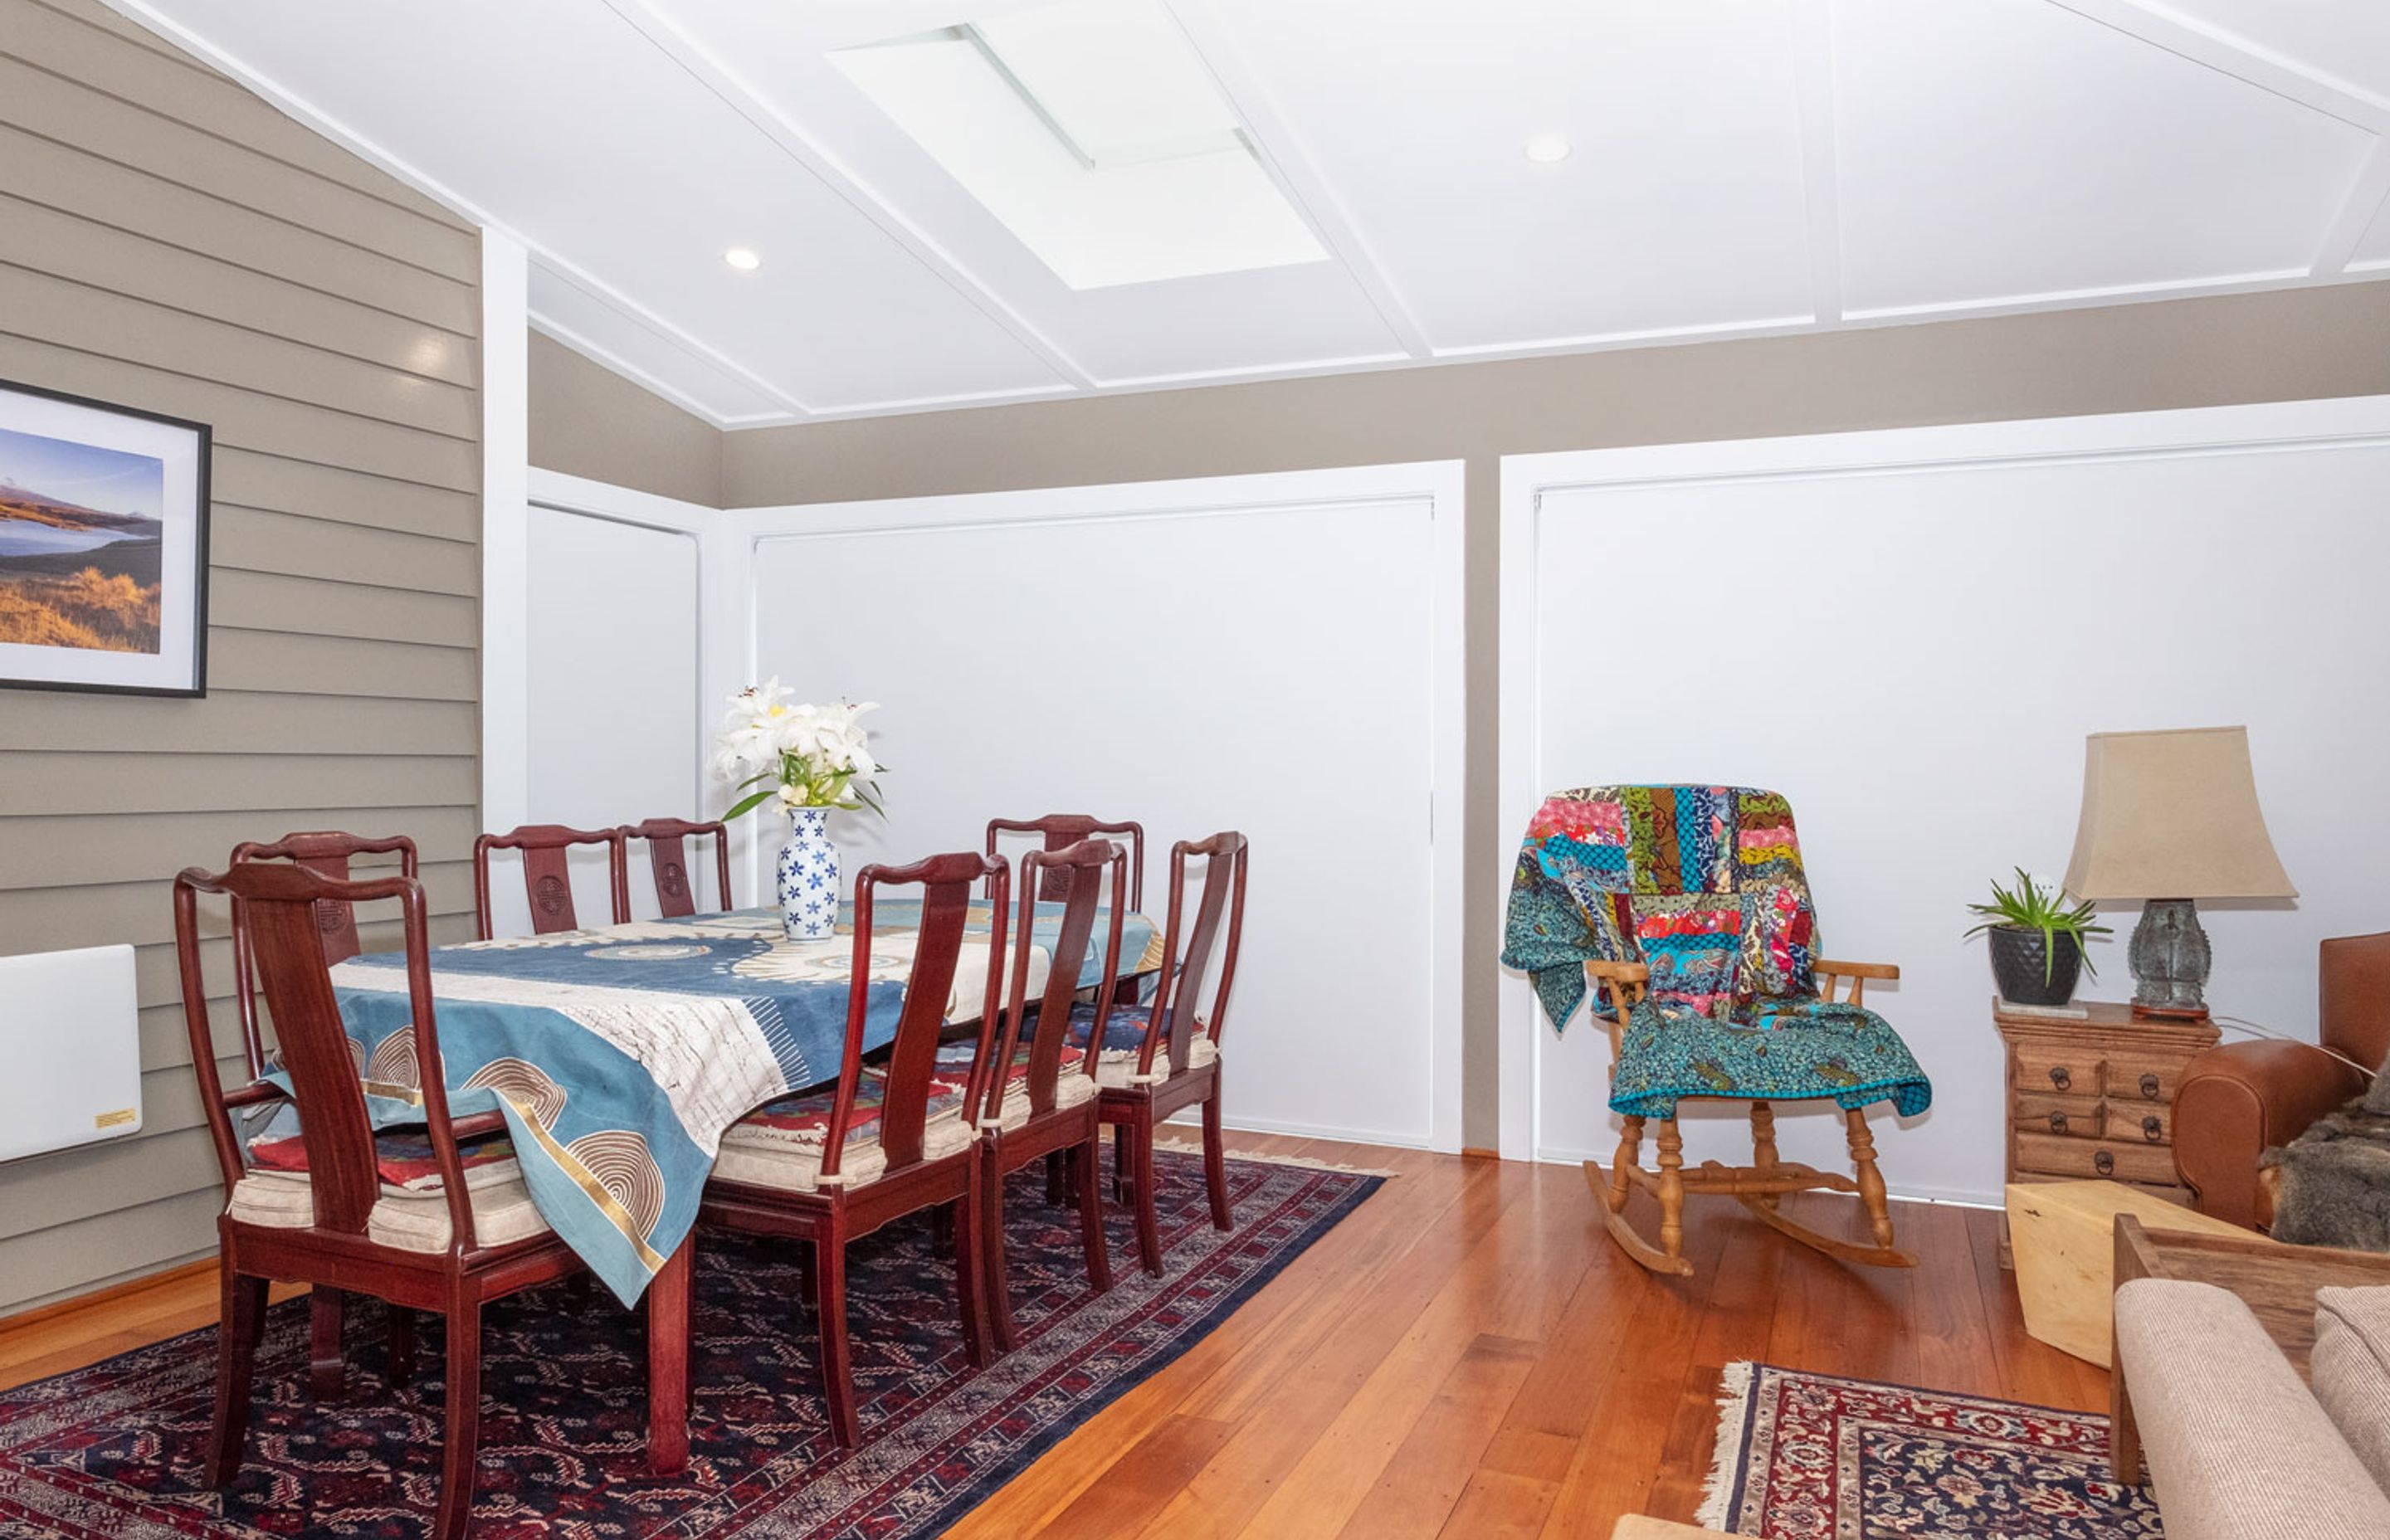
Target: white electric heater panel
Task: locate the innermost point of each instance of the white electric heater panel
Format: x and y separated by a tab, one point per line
69	1049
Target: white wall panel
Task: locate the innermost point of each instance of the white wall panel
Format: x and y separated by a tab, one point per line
1908	634
1277	655
613	694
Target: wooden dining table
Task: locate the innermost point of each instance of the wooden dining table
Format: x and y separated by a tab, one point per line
617	1058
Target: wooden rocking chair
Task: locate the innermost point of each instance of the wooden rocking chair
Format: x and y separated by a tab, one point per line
1759	1186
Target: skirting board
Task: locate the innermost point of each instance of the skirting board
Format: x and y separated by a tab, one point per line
1192	1117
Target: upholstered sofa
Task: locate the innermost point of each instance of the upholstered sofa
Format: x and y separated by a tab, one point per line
2238	1100
2236	1445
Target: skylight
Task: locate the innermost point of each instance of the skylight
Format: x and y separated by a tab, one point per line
1095	132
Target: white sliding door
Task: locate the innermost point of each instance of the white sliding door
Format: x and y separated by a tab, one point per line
1908	634
612	632
1277	655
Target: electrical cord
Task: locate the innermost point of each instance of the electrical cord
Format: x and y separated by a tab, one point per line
2253	1030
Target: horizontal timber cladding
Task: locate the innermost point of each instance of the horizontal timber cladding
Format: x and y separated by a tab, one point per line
169	241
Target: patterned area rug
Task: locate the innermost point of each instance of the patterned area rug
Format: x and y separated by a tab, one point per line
1811	1456
113	1450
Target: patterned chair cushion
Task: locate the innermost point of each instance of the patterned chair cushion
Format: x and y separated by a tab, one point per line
1071	1085
780	1144
412	1214
1124	1031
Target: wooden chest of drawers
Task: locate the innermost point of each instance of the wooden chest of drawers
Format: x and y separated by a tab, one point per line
2092	1098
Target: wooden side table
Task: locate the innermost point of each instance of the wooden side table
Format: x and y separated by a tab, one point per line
2092	1097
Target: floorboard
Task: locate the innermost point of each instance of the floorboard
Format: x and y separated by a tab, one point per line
1467	1356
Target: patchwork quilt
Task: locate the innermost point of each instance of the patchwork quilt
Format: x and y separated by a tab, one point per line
1703	885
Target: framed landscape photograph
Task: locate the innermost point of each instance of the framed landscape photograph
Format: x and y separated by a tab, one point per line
103	547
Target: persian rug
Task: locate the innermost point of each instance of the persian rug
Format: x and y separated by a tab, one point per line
113	1450
1813	1457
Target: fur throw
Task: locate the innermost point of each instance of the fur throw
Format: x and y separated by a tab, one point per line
2336	1177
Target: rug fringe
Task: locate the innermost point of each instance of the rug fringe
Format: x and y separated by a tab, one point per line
1734	1411
1258	1158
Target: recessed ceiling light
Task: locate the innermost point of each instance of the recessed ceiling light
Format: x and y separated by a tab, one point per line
1545	148
746	260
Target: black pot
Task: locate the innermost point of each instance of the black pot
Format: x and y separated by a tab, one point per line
2032	973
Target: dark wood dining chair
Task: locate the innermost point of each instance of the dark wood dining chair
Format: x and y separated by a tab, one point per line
547	874
1041	1095
1062	830
434	1219
327	852
1152	1059
888	1139
667	842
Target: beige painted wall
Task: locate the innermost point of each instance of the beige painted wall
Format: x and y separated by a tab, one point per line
587	420
2327	341
169	241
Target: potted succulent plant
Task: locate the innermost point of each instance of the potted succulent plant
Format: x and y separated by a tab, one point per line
2037	939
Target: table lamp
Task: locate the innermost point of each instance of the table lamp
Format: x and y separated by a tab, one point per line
2170	818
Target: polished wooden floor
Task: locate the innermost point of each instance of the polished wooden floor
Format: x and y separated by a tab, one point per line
1466	1355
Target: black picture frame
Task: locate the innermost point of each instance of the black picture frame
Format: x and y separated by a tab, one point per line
32	419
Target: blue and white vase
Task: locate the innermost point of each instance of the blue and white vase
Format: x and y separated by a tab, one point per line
809	876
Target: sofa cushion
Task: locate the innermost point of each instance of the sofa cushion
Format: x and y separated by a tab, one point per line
2238	1449
2350	1371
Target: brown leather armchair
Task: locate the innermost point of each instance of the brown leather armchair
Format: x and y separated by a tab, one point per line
2240	1098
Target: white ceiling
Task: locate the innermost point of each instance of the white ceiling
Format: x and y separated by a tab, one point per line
1741	167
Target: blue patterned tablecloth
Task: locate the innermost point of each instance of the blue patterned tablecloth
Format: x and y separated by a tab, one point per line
619	1056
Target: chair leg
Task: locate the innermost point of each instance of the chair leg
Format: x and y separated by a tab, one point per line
1120	1162
1056	1191
1000	1286
1089	1161
1149	1223
326	1316
1871	1193
402	1347
1672	1189
236	1333
829	1309
1763	1143
1216	1160
970	1273
1630	1150
463	1435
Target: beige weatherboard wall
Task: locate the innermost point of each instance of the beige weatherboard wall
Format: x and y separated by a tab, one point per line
171	242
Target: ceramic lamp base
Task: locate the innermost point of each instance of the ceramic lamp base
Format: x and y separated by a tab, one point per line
2169	957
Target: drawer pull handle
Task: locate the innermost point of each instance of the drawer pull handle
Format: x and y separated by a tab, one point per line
2104	1162
2152	1128
2058	1122
2149	1087
2061	1076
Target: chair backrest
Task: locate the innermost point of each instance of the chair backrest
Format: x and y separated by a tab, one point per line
1187	948
945	882
2353	973
1062	830
1066	959
1701	884
547	874
668	857
327	852
278	907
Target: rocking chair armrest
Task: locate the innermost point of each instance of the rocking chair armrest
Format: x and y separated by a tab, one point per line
1857	970
1617	972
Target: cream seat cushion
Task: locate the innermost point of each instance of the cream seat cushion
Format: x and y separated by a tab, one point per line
2350	1371
401	1219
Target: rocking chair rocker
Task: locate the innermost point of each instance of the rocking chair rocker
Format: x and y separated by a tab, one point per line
1685	910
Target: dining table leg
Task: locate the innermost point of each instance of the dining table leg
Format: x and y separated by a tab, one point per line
668	1363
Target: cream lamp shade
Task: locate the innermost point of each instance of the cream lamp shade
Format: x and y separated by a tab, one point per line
2173	814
